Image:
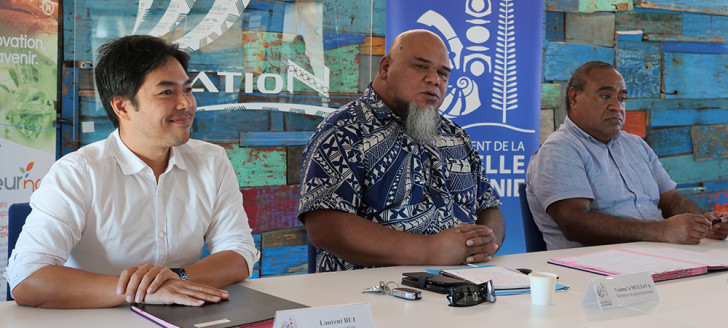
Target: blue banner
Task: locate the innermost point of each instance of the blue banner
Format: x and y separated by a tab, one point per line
495	84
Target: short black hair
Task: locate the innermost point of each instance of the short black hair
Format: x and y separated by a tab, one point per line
123	64
578	78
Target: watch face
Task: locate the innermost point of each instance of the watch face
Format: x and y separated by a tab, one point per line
180	272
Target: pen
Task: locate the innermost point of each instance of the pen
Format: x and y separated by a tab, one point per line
716	221
527	271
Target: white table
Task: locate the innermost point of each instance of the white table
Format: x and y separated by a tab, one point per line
688	302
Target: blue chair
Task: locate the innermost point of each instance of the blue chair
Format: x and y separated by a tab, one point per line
311	257
16	219
534	237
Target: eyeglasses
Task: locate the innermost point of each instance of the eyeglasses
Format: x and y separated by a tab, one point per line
471	294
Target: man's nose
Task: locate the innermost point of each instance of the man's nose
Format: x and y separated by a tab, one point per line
432	76
186	101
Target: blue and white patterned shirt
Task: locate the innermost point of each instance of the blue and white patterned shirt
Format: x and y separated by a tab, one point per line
361	161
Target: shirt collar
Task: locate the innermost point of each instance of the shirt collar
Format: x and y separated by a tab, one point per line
577	130
380	109
131	164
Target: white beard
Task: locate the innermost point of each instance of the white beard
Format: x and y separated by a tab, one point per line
422	124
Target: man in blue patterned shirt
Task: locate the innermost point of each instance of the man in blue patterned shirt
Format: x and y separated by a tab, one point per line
387	180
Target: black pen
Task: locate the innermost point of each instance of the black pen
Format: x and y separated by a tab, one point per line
716	221
527	271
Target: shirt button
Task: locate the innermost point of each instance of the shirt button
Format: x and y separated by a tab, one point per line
162	234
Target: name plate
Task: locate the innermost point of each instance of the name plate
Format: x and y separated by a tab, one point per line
357	315
621	290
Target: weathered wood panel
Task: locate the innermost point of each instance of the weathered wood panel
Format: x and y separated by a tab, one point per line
656	23
696	75
635	122
373	46
294	236
337	40
641	67
670	141
550	95
710	142
589	5
354	16
715	201
683	38
294	157
677	117
224	126
716	185
699	24
284	260
93	129
695	47
650	104
368	67
547	124
344	65
553	26
258	166
271	207
264	16
716	7
684	169
593	29
561	59
274	139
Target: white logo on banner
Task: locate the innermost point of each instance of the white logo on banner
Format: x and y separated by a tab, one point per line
222	15
464	96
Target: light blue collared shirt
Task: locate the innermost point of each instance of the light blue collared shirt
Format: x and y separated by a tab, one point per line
623	178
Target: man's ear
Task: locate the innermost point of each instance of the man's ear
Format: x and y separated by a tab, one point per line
121	107
572	92
384	67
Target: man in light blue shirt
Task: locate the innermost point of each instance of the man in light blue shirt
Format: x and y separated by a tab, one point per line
591	183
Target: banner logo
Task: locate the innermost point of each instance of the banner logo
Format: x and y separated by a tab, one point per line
471	60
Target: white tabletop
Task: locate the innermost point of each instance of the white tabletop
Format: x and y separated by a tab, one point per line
687	302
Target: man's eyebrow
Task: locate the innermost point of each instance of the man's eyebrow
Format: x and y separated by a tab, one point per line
173	83
612	89
430	62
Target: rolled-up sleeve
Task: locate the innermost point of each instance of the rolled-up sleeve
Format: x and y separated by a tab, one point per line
55	224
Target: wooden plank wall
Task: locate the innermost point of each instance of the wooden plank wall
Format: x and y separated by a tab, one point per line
672	54
674	58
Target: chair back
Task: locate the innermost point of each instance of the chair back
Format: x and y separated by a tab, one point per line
311	257
534	237
16	219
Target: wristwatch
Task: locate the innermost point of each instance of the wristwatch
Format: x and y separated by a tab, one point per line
180	272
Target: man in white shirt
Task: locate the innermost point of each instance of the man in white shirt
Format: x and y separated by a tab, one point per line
126	219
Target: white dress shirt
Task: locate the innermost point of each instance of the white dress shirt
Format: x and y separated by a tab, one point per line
100	209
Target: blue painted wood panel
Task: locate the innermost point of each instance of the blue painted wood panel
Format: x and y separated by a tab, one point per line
678	117
700	24
641	66
685	169
715	201
710	142
715	185
274	139
650	104
354	16
701	6
284	260
695	47
561	59
651	23
336	40
553	26
696	75
670	141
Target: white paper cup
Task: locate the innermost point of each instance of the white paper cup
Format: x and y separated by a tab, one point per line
543	285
